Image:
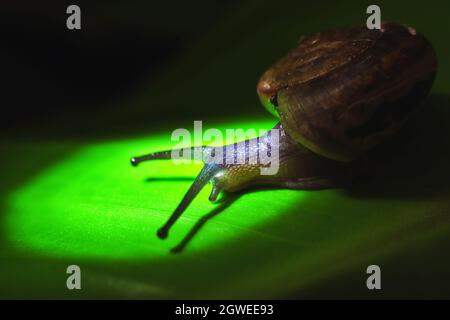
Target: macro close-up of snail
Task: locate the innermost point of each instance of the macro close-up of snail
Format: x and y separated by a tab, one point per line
337	95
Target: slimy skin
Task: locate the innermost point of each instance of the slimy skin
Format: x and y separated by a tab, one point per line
297	168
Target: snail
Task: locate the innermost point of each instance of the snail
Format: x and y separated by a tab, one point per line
337	95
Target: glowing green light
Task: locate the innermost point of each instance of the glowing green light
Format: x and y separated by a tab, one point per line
95	204
95	209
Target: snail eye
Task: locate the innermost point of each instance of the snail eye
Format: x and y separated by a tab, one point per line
274	100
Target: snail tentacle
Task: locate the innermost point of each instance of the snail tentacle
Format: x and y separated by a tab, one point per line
205	175
167	154
216	190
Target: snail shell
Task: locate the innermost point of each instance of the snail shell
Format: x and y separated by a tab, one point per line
341	92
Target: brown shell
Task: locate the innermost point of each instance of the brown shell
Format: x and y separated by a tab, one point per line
341	92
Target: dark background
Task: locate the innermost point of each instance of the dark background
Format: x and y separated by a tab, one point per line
53	78
138	64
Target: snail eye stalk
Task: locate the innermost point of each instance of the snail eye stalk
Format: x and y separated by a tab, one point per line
206	174
208	171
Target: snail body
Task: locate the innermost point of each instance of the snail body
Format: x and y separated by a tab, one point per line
337	95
